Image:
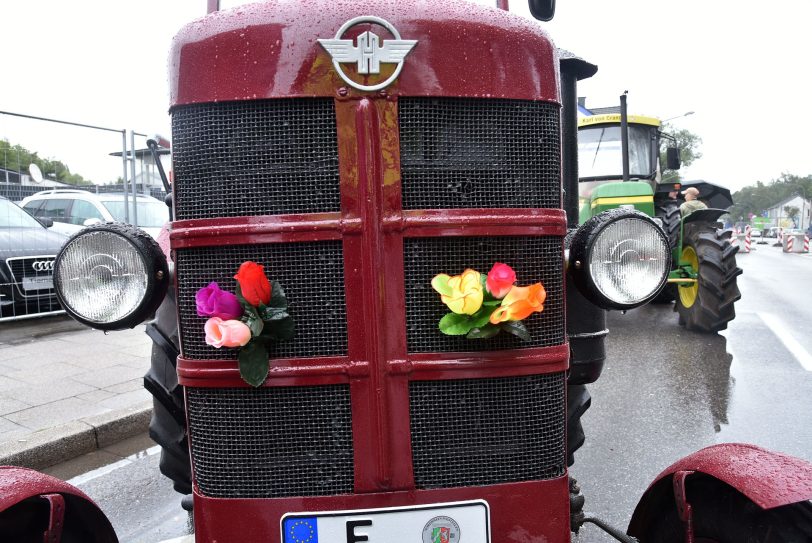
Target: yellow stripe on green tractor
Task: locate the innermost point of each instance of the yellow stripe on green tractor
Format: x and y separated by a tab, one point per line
610	195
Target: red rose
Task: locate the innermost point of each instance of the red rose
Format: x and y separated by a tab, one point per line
256	288
500	280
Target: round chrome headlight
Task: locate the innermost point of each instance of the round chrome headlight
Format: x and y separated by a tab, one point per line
111	276
620	259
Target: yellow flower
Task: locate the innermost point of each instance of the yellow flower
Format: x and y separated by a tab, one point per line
520	303
461	293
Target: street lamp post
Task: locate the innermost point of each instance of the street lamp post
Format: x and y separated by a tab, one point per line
678	116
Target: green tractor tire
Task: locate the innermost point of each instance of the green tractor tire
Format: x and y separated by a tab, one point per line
668	212
707	305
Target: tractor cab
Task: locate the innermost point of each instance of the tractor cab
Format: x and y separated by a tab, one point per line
600	164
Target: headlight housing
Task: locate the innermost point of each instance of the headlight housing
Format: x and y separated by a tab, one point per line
111	276
620	259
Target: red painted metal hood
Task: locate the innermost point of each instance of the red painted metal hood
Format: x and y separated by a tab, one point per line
269	50
768	478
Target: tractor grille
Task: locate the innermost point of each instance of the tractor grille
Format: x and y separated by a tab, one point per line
470	153
255	157
476	432
271	442
312	275
533	258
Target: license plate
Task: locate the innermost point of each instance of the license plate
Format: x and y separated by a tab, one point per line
38	283
457	522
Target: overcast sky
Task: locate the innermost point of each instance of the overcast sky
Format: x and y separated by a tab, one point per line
745	72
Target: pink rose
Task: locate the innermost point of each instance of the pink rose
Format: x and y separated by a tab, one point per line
500	280
213	302
230	333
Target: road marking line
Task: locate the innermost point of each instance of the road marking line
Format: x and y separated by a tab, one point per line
104	470
780	330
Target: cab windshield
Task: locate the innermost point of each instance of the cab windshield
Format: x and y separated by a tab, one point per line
151	214
600	156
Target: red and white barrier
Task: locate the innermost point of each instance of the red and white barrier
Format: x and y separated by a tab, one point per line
789	244
747	232
806	243
796	243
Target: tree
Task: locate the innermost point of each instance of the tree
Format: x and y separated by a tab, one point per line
792	213
17	158
688	144
758	198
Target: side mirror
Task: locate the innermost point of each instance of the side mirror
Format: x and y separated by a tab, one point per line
672	161
91	221
543	10
45	221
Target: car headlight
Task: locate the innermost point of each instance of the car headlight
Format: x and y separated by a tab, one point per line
620	259
111	276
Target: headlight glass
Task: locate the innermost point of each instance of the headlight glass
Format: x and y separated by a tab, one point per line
103	277
629	260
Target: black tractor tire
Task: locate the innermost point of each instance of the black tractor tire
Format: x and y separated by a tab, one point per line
578	401
721	514
716	290
168	424
668	212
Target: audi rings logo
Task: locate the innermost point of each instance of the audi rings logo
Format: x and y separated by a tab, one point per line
43	265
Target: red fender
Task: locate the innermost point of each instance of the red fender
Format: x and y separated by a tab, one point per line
35	503
769	479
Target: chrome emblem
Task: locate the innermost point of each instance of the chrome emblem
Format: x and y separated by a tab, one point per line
370	52
43	265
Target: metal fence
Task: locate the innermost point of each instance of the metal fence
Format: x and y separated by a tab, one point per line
16	192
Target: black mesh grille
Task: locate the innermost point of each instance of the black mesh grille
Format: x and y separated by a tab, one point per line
470	153
271	442
312	275
535	259
255	157
487	431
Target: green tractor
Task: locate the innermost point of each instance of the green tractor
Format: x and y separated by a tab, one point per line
619	166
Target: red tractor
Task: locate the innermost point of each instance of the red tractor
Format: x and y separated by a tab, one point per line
359	152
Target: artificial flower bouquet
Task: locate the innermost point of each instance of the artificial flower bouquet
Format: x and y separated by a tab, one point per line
482	306
249	319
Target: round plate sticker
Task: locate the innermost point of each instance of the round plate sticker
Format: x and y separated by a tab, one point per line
441	530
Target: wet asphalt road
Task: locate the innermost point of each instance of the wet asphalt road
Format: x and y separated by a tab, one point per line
664	393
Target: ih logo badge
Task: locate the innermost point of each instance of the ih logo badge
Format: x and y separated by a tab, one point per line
370	52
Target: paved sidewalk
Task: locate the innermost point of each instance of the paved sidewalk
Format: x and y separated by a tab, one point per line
66	390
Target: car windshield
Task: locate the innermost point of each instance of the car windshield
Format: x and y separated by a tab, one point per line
600	154
12	216
151	214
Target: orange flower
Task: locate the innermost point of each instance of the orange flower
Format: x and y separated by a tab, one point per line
520	303
254	285
461	293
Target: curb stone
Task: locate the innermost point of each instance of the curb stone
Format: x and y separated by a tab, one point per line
45	448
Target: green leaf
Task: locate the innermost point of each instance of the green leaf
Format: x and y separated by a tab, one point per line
489	330
255	324
481	317
278	298
492	303
281	329
453	324
253	359
269	314
517	329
